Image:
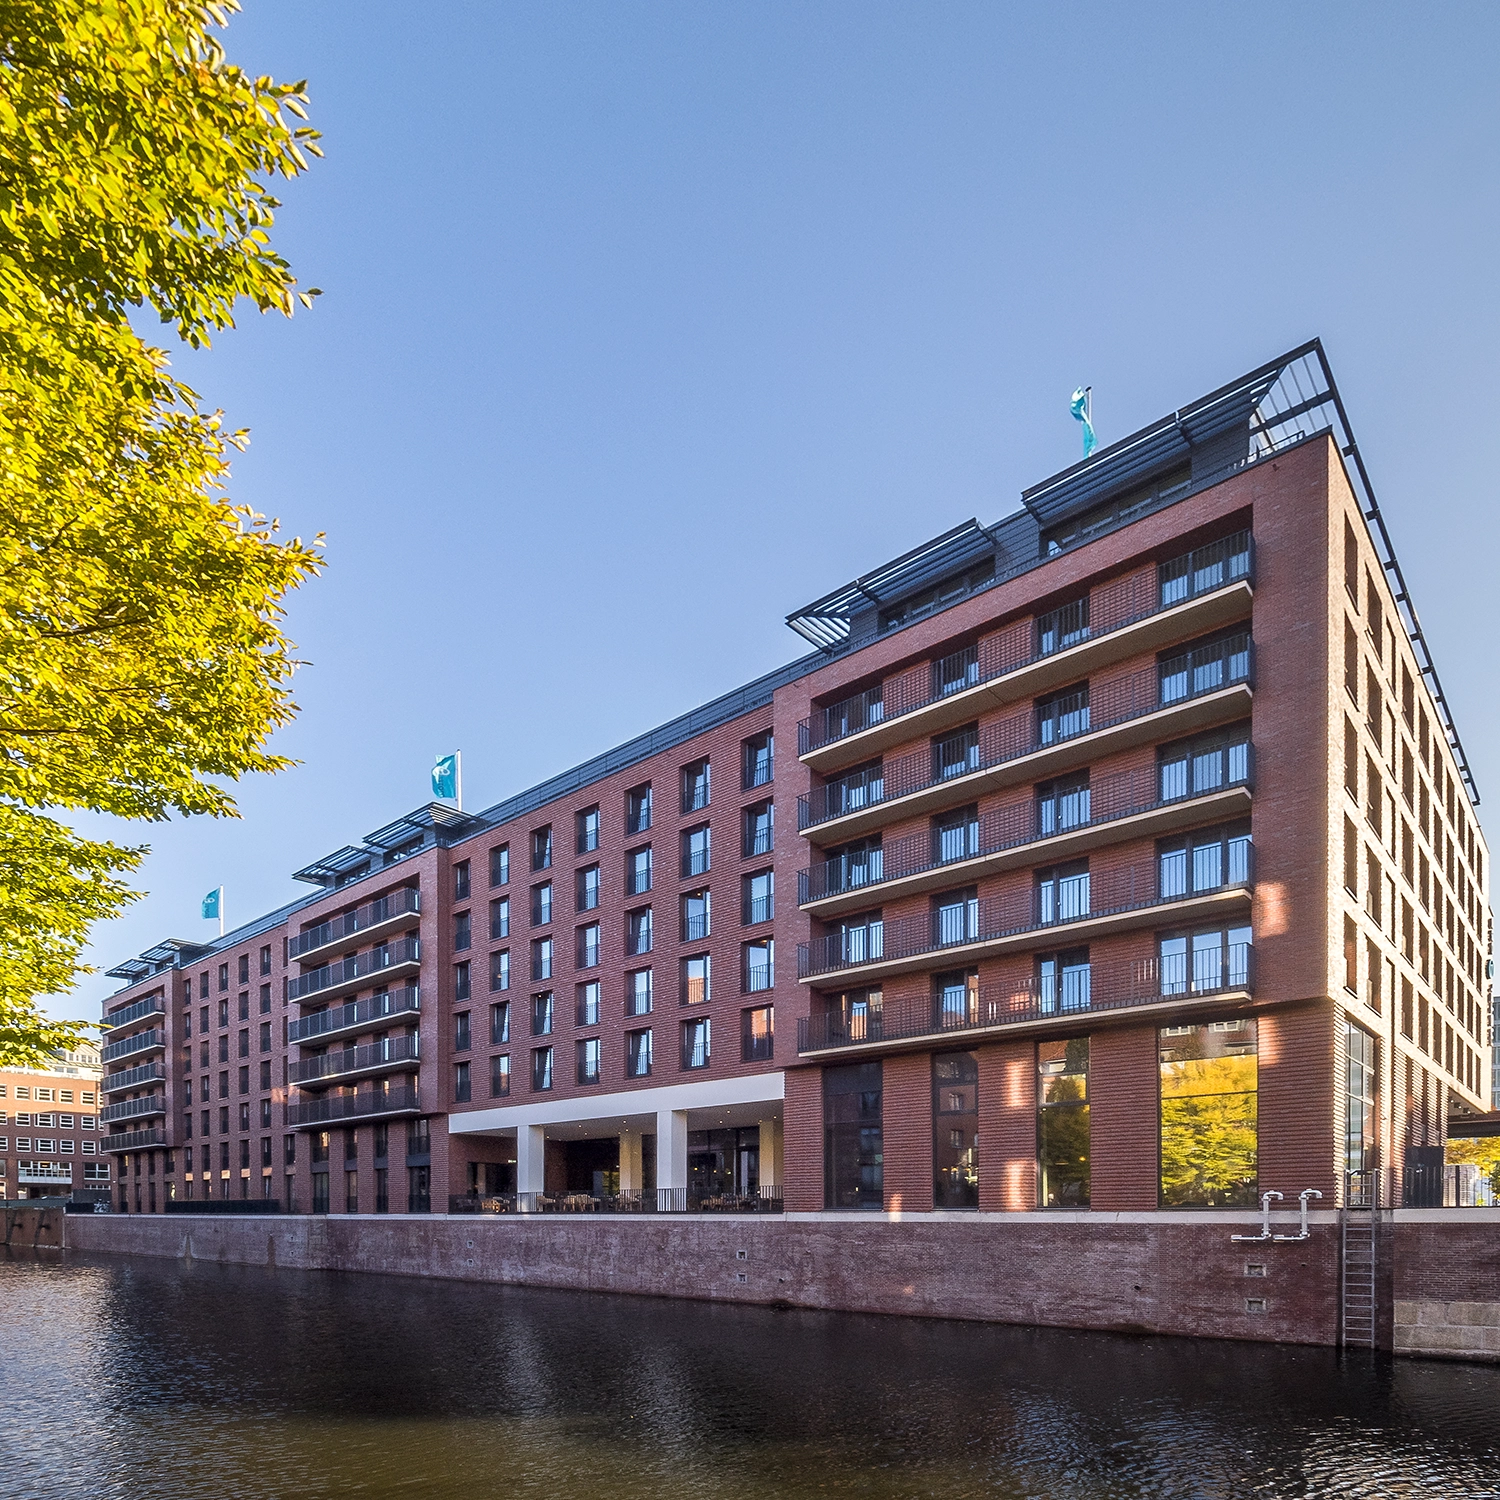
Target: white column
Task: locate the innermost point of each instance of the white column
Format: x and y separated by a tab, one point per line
770	1153
531	1159
630	1161
671	1153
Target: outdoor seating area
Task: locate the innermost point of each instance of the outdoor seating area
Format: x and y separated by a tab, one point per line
663	1201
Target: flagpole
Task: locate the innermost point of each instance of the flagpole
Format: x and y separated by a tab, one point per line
458	779
221	911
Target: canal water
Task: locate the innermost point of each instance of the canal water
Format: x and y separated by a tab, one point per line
156	1379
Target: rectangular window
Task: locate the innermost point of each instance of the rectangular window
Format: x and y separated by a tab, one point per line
697	980
500	1023
758	894
1205	668
500	970
265	959
500	918
588	1059
587	946
1062	894
638	992
462	1088
243	967
541	1014
1372	975
955	672
638	1054
695	1043
1062	715
759	831
638	809
462	931
587	1003
541	904
223	976
759	752
955	1130
955	753
462	1032
697	851
586	830
461	981
1209	1139
500	865
461	880
695	916
541	1070
853	1137
1208	860
418	1190
758	1034
955	835
638	871
1063	627
1360	1153
638	931
1351	760
541	848
1351	663
1351	563
1209	961
1063	1123
695	786
1060	805
500	1076
541	958
759	966
586	888
1063	981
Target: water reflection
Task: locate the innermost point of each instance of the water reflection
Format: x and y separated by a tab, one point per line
140	1378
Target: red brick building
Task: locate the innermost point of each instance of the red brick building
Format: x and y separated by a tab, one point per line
49	1130
1120	855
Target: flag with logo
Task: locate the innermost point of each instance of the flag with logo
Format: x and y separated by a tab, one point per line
445	777
1082	407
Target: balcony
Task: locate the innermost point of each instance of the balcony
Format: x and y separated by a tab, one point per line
134	1140
134	1078
359	1015
44	1173
134	1109
152	1005
345	1109
965	933
1175	698
142	1041
1192	595
1125	806
395	961
353	929
1037	1006
392	1054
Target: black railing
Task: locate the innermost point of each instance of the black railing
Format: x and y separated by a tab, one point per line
694	929
134	1140
1126	795
142	1041
1088	991
397	904
132	1109
759	977
152	1005
1114	606
764	1200
331	1109
1118	892
1030	730
392	1051
134	1078
360	966
696	863
758	841
373	1012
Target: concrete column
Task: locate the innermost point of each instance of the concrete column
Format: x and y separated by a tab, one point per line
770	1152
531	1159
631	1175
671	1151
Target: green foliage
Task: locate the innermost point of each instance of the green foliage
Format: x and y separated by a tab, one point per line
140	644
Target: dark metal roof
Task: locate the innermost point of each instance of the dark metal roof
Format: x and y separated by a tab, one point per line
165	955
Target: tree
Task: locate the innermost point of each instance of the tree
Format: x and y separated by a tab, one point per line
142	663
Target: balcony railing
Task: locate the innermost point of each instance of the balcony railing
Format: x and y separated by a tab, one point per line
1126	795
1137	696
696	862
1113	607
373	1057
695	928
134	1140
142	1041
406	901
1093	990
1112	893
134	1078
43	1172
334	1109
758	909
152	1005
351	970
358	1015
131	1109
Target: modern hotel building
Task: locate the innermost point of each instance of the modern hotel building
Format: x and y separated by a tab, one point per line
1120	855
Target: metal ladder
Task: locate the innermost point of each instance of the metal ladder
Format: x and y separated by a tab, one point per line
1358	1225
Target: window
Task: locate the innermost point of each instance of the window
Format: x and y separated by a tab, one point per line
697	980
638	871
588	1059
265	1036
1063	1123
760	966
500	918
1062	893
243	968
1060	805
461	880
638	930
1060	716
586	888
1063	981
695	916
955	672
586	830
541	958
638	992
759	831
695	786
696	851
1351	956
1193	768
759	894
955	1130
541	1014
243	1041
500	1076
1204	668
1205	568
265	1000
1351	857
758	1034
418	1190
461	981
695	1043
638	809
1063	627
853	1137
462	931
955	835
223	976
541	848
500	970
203	985
1209	1148
638	1054
1351	563
1351	663
759	752
462	1088
500	865
859	939
500	1023
265	959
541	1070
955	753
1207	860
588	946
461	1032
1211	960
541	904
587	1009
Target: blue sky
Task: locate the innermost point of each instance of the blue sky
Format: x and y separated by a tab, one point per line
645	324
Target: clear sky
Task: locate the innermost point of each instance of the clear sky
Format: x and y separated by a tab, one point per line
645	324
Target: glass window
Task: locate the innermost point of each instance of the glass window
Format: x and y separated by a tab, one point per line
955	1130
955	835
588	946
697	851
638	930
500	918
759	895
500	1076
462	1088
853	1139
1062	893
956	999
541	1069
758	1034
860	939
695	786
541	904
541	849
638	809
759	752
500	970
462	1036
500	865
1217	958
1360	1117
1209	1115
541	1014
862	787
1063	981
695	1043
1207	860
586	828
697	980
638	992
461	981
461	881
586	888
500	1023
1204	668
956	753
1060	716
695	916
588	1003
1062	804
1063	1123
1193	768
588	1059
955	672
638	871
760	965
638	1053
956	916
462	931
760	829
1064	627
541	958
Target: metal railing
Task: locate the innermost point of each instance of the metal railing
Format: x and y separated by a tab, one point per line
697	862
1094	989
360	966
142	1041
134	1078
1119	892
759	909
695	928
1125	795
1173	682
766	1199
1114	606
397	904
330	1109
152	1005
130	1109
758	841
391	1051
372	1012
134	1140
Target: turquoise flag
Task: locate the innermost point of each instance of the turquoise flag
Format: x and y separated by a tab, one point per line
445	777
1082	408
213	902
